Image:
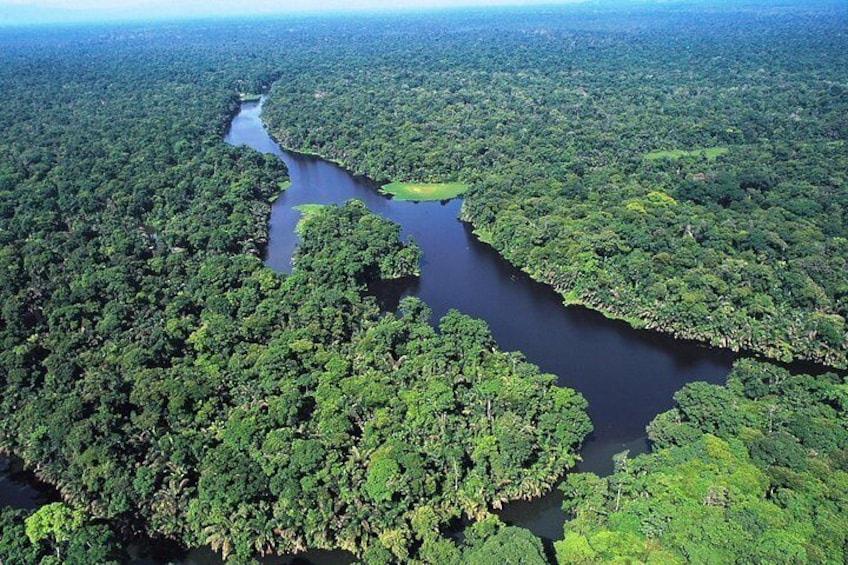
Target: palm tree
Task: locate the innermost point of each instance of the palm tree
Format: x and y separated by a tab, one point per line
169	501
290	541
219	536
265	536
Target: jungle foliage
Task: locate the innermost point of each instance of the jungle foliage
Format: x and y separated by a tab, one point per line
752	472
682	169
171	385
55	534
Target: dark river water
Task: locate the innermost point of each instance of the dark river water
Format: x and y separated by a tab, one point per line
20	489
628	376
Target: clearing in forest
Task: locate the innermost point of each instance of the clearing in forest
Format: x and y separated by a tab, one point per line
420	192
711	153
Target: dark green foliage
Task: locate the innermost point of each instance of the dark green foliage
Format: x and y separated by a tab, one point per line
510	546
371	246
780	449
15	547
170	384
709	408
485	541
741	480
736	237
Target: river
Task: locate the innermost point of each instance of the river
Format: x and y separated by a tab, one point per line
628	376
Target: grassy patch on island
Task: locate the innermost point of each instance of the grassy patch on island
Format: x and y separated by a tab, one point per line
284	186
711	153
245	97
419	192
306	211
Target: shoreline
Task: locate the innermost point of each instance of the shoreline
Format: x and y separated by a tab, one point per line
570	298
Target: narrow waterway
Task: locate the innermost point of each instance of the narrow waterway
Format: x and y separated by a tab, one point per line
20	489
628	376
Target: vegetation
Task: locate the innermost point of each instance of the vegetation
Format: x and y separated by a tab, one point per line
171	385
753	472
283	186
306	211
55	534
548	116
709	153
420	192
486	541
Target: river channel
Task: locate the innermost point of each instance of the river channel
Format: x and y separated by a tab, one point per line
628	376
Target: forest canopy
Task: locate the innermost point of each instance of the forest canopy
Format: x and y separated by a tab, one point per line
681	169
170	384
752	472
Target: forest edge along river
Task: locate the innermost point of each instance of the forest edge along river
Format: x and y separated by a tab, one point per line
628	376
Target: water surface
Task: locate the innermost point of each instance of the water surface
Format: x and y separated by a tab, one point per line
20	489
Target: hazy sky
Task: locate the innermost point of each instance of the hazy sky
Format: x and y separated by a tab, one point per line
21	11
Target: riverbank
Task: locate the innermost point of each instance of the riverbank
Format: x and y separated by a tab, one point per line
622	303
618	302
20	488
726	234
628	376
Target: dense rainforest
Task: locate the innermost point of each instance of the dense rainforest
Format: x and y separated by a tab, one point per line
752	472
682	168
169	384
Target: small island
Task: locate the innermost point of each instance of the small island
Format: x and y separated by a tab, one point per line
421	192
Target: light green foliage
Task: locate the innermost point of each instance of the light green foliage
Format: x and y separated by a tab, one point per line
421	192
56	534
54	522
758	493
383	477
306	210
574	549
710	153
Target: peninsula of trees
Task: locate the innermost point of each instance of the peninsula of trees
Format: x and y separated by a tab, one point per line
752	472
